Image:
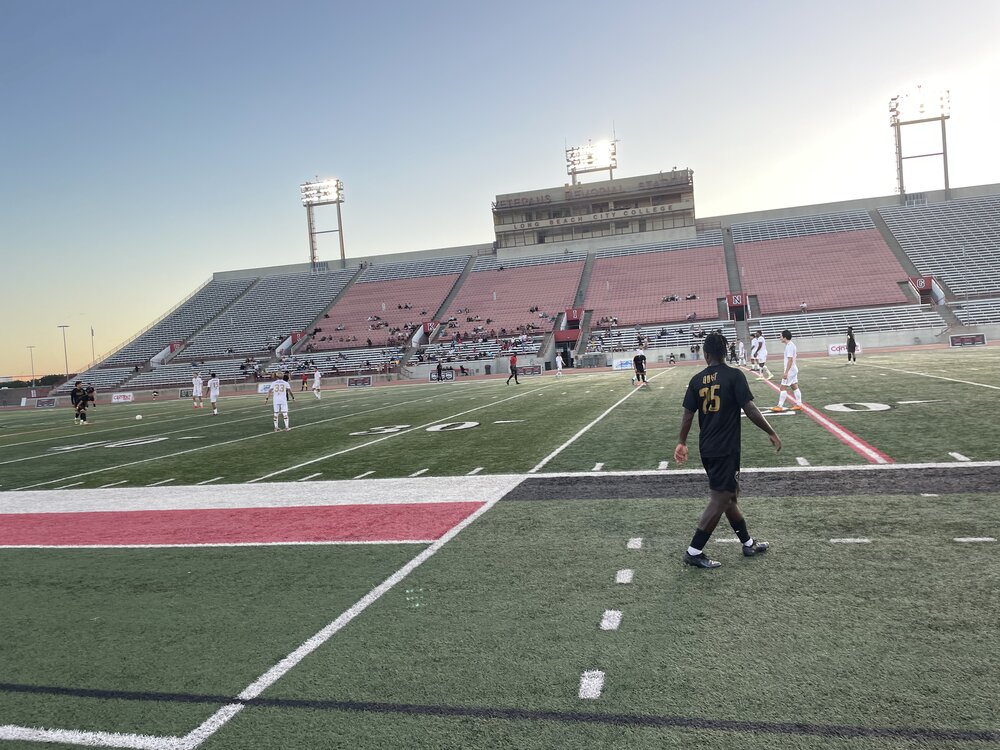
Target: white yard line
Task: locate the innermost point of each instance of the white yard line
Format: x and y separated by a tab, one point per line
393	435
67	486
624	576
975	539
936	377
310	476
162	481
474	471
664	465
851	540
598	467
418	472
10	732
634	543
959	456
112	484
209	481
591	684
583	431
365	474
802	461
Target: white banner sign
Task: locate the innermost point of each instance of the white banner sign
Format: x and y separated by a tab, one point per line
622	364
836	350
263	387
122	398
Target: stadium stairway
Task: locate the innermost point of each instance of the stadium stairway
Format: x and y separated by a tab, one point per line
442	312
893	243
732	265
302	342
581	290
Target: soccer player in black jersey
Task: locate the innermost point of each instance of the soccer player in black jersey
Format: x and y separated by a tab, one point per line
717	394
639	365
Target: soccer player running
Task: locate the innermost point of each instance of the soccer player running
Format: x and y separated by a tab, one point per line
317	384
196	385
213	392
790	375
717	394
78	398
281	391
639	366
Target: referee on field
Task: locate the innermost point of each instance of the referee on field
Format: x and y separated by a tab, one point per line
718	394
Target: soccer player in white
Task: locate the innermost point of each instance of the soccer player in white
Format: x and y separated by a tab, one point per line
213	392
317	383
759	355
281	392
741	352
196	397
559	365
790	375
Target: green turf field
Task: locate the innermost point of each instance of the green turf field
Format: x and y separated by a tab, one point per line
887	643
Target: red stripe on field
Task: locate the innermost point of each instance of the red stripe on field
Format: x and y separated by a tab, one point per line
338	523
848	438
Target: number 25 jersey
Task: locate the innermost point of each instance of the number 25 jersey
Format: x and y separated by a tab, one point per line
718	394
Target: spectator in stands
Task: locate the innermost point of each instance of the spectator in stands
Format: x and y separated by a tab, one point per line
691	296
803	307
692	317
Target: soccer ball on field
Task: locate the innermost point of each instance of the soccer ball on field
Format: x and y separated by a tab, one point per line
138	416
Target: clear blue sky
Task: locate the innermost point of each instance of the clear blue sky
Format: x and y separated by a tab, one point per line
145	145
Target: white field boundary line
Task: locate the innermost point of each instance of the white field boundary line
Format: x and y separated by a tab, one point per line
213	544
859	446
220	718
205	426
772	469
397	434
585	429
936	377
212	445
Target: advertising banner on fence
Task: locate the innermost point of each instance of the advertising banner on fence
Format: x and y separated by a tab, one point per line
122	398
622	364
43	403
448	374
359	381
262	388
836	350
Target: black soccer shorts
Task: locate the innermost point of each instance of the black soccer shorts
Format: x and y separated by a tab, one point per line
723	472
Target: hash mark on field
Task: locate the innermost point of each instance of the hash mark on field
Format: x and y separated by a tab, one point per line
162	481
591	684
65	486
474	471
974	539
362	476
209	481
306	478
727	540
929	494
418	472
634	543
663	465
598	467
611	620
802	461
624	576
851	540
958	456
112	484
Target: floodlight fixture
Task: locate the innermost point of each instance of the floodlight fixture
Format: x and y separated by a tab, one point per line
65	355
594	157
322	193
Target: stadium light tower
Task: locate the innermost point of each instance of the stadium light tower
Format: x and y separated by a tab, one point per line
65	356
594	157
322	193
31	353
912	110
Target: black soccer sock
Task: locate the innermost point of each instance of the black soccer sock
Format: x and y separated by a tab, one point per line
740	527
700	539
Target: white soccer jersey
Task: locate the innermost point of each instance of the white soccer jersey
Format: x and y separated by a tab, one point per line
196	385
791	353
213	388
740	351
761	347
317	380
279	390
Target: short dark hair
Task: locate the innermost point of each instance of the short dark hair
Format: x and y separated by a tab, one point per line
716	346
786	334
211	374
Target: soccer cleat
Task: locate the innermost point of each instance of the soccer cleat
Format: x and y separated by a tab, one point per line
797	407
778	409
287	429
700	561
756	548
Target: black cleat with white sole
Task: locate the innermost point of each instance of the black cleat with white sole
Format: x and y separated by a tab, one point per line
757	548
700	561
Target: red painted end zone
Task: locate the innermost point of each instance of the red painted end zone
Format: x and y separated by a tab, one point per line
338	523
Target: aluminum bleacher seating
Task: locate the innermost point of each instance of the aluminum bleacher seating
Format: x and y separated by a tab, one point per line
835	322
340	362
828	261
274	308
978	312
180	374
632	287
471	351
101	379
181	322
672	337
958	241
454	264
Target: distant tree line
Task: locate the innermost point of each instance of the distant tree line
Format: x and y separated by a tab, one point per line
45	381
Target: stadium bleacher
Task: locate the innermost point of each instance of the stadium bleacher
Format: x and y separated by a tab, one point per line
835	322
342	361
632	287
272	309
978	312
673	337
958	241
100	378
180	374
829	261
